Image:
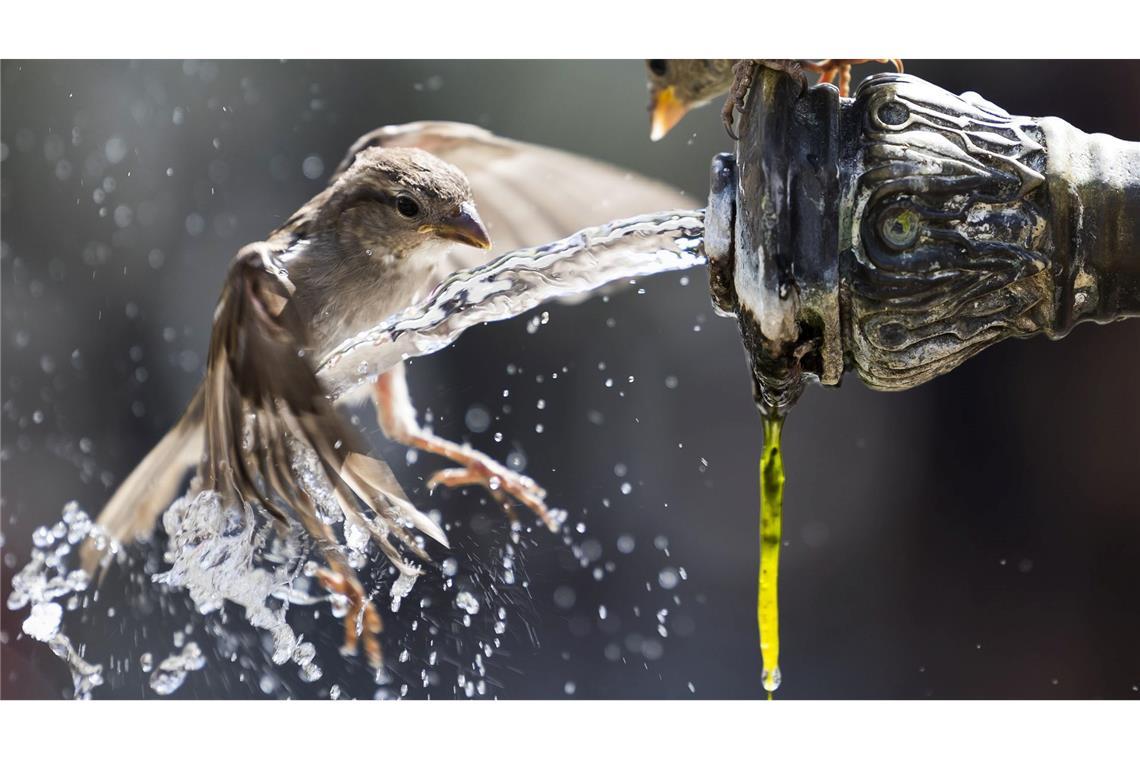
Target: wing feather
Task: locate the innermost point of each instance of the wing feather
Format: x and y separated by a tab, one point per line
262	399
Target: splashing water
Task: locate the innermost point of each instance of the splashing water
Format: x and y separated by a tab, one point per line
172	672
466	602
401	588
45	582
515	283
216	555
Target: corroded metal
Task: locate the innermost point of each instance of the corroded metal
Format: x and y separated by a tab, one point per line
899	233
720	220
784	281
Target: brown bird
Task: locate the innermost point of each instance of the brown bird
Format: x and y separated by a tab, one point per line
394	220
677	86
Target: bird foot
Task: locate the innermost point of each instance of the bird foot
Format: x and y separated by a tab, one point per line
505	485
361	622
831	68
743	77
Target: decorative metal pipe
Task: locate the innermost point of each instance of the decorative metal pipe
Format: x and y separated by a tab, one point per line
900	232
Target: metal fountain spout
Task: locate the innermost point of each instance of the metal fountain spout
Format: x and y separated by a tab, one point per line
898	233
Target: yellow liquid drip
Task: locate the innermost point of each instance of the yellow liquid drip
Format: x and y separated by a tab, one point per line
771	508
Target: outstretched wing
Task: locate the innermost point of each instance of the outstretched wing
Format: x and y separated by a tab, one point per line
267	418
527	194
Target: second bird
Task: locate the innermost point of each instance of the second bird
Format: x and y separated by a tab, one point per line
679	85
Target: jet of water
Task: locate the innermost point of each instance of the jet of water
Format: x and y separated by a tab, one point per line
517	282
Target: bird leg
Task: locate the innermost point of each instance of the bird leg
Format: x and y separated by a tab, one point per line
744	73
398	421
362	621
829	68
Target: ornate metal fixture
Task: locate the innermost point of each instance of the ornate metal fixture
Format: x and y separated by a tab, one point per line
900	232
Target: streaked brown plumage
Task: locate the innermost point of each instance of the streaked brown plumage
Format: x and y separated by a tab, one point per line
676	86
393	221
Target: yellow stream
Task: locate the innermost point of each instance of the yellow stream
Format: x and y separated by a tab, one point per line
771	506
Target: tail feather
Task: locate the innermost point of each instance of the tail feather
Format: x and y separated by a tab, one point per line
134	508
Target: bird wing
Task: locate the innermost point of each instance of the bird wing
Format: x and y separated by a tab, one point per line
267	419
526	194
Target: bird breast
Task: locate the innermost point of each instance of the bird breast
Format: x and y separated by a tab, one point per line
343	299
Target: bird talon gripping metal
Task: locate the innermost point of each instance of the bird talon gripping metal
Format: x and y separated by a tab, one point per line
898	233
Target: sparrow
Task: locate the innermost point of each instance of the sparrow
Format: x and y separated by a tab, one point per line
677	86
397	216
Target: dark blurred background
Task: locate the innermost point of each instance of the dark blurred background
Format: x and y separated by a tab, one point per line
975	537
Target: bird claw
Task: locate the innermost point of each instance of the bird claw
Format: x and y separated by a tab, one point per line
831	68
362	622
743	74
728	116
506	486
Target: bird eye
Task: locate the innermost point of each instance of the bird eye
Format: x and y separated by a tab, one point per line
407	206
659	67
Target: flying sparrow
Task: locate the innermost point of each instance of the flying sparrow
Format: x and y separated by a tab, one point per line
397	216
678	85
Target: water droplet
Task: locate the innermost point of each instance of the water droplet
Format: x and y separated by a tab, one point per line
401	588
466	602
477	419
564	597
771	680
312	167
171	673
43	622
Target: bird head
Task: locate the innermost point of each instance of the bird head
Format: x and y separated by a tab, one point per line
403	202
678	85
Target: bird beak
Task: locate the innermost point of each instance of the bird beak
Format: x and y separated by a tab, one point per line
667	111
464	226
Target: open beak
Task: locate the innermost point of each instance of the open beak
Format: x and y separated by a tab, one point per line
667	110
464	226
